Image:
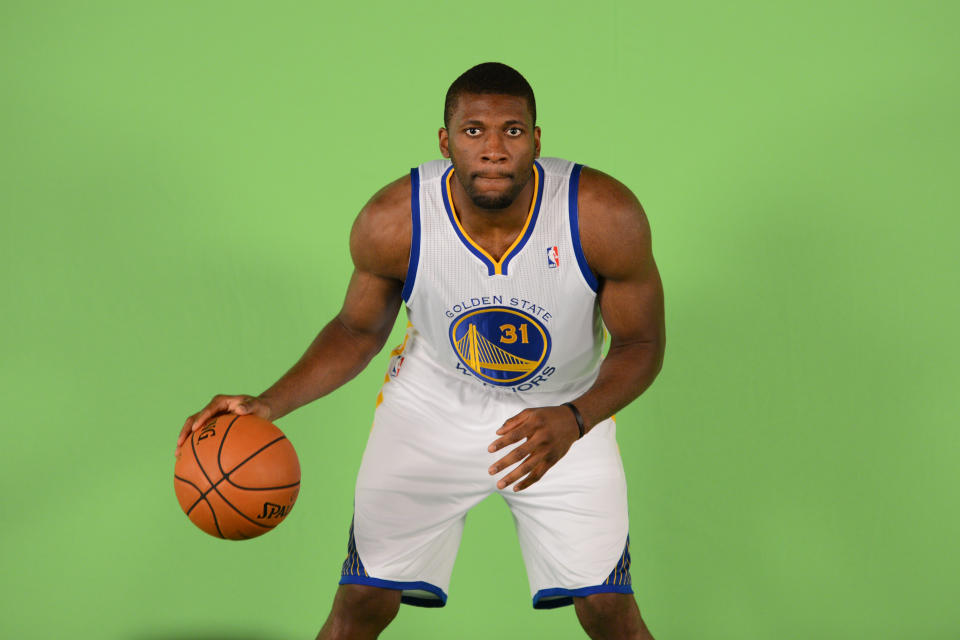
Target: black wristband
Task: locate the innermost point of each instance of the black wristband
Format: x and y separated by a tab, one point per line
576	414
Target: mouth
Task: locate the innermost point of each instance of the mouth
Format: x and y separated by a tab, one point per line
493	176
491	181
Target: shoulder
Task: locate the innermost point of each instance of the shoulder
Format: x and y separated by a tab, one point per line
380	238
614	231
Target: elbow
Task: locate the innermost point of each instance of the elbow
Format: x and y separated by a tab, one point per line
655	362
661	351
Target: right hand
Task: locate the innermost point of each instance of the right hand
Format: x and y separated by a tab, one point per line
220	404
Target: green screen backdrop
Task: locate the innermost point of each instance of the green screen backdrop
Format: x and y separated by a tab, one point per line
177	184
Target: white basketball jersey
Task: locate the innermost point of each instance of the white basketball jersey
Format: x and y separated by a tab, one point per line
526	325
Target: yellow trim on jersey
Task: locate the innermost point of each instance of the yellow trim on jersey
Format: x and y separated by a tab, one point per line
396	352
497	264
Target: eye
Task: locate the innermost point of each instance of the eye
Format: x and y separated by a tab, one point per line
514	131
472	131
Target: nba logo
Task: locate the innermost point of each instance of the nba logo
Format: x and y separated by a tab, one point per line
395	365
553	259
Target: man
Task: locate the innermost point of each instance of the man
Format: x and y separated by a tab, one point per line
507	263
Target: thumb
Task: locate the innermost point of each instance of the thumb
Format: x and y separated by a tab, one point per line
243	408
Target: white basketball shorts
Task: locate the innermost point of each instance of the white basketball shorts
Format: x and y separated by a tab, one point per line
425	467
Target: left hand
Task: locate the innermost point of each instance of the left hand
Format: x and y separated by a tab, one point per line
549	432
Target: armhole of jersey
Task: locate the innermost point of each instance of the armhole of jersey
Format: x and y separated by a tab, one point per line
414	235
588	276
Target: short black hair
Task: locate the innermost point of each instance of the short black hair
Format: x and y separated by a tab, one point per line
489	78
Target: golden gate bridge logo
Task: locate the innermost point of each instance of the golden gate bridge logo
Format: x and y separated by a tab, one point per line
500	345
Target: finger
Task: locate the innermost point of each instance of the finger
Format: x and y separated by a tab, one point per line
242	407
514	436
201	419
516	474
532	477
198	420
217	406
182	437
509	460
513	423
185	431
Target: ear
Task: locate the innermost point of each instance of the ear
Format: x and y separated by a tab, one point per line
536	142
445	142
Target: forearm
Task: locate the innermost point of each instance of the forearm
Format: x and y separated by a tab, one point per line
626	372
334	358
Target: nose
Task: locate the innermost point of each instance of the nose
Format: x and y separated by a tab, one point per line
493	149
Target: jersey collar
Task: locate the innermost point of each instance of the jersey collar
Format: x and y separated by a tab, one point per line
495	267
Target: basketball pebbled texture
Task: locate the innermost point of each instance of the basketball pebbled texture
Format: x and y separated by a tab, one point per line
237	477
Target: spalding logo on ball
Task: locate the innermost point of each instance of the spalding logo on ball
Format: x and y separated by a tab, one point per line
237	477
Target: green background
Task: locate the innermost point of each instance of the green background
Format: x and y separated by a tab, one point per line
177	182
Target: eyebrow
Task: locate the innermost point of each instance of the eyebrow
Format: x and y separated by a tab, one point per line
480	122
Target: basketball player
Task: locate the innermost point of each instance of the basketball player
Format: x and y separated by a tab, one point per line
510	266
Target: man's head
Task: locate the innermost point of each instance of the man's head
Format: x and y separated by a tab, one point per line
490	133
490	78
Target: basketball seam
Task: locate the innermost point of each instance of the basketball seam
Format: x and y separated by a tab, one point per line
213	486
240	486
225	475
250	457
176	477
193	447
204	494
216	523
245	516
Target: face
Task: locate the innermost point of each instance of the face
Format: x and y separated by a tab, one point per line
492	143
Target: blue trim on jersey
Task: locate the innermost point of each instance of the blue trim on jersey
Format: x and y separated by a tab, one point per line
619	581
353	572
533	220
415	235
552	601
575	229
417	601
491	269
353	566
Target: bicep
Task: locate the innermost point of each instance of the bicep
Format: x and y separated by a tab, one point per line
617	242
379	247
631	304
371	303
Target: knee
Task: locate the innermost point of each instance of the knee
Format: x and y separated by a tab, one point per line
360	607
609	615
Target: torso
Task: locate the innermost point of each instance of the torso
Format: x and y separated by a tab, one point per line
525	323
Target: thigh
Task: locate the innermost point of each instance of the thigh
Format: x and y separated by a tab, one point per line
413	491
573	524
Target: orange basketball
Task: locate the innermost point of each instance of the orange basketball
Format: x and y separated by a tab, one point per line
237	477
